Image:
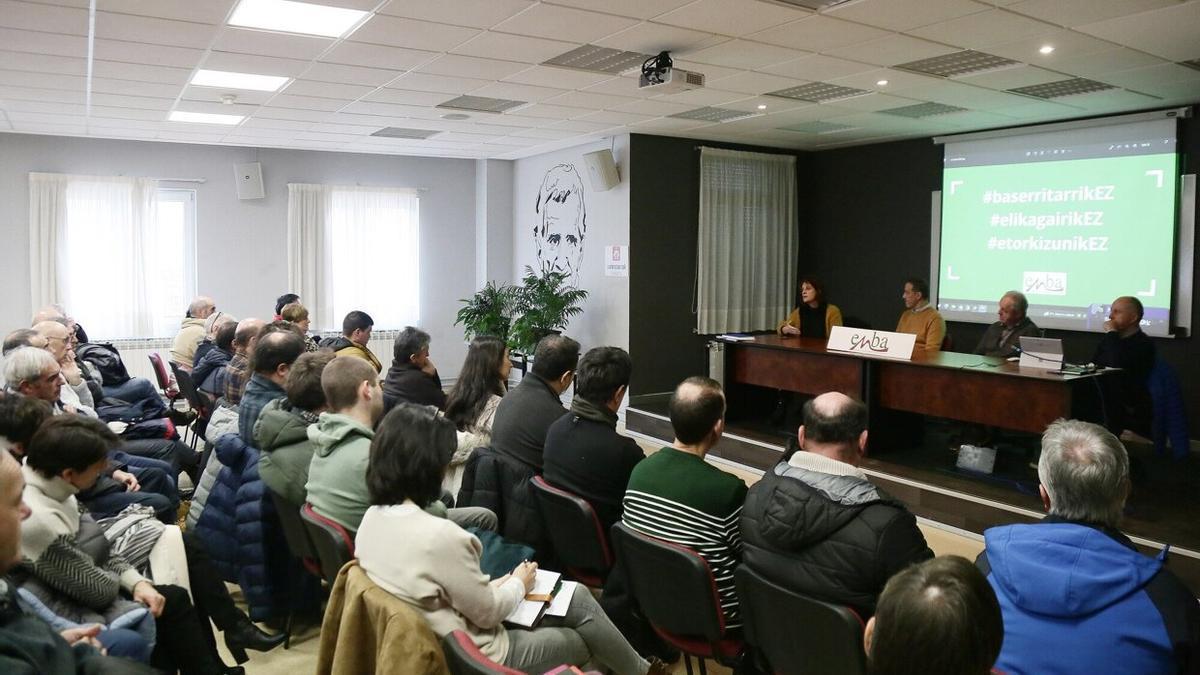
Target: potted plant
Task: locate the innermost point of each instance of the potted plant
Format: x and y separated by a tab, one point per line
488	312
544	304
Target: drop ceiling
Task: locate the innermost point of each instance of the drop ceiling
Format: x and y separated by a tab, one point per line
411	56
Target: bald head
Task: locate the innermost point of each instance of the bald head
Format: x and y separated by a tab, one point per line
697	410
201	307
835	426
1125	314
58	337
247	332
47	313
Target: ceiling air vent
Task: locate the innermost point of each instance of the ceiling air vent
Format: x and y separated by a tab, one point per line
481	104
710	114
818	92
401	132
1060	88
966	62
599	60
923	110
818	127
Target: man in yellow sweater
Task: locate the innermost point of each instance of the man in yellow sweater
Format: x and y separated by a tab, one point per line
920	318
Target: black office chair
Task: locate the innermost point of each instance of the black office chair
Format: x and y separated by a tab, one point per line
299	545
333	543
575	532
798	634
465	658
676	592
197	401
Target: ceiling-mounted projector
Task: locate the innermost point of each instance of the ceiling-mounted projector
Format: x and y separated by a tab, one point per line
660	75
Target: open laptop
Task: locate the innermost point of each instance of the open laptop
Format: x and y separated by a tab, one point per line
1042	353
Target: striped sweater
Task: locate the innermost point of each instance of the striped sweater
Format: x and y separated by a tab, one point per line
678	497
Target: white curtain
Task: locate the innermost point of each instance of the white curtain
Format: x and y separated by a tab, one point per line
747	252
355	248
88	249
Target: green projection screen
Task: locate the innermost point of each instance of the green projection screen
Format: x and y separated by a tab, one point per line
1072	218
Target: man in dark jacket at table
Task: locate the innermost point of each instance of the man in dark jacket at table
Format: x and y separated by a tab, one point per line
526	413
816	525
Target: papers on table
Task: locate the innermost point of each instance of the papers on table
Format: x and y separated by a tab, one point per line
736	337
547	594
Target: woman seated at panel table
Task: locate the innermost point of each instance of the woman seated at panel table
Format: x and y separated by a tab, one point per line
814	317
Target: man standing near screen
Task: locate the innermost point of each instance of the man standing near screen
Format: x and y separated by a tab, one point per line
1003	337
920	318
1127	402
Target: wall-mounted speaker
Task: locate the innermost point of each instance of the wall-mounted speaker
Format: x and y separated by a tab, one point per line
249	181
602	170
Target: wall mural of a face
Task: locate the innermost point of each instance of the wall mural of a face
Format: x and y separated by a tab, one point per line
558	235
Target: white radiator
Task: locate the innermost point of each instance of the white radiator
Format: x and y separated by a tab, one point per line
716	361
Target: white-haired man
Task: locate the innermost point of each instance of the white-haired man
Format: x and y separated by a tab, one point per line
191	332
1003	337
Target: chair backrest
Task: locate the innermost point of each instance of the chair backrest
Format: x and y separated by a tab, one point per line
798	634
195	399
464	657
334	544
672	584
575	531
160	371
296	533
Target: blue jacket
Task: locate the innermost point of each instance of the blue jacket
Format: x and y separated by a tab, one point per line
241	531
205	374
259	392
1079	599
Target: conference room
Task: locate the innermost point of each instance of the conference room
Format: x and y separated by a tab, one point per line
679	179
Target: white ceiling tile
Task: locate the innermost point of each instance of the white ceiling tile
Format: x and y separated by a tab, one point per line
218	108
413	34
47	18
208	11
897	80
818	33
639	9
1067	44
962	95
384	109
405	97
474	13
39	94
1032	109
562	78
1113	100
517	121
704	96
744	54
19	78
774	104
493	45
312	135
438	83
621	86
469	66
1170	32
331	72
892	50
873	102
140	71
154	31
730	17
1011	78
377	56
270	126
134	88
517	92
548	133
556	112
903	15
51	107
818	68
587	99
119	101
43	63
43	43
44	118
129	113
251	63
614	117
307	102
1098	64
328	89
580	126
267	43
1149	80
1076	12
652	38
564	23
137	52
755	83
983	29
655	107
352	129
269	112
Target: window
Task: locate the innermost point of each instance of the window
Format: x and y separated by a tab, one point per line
171	259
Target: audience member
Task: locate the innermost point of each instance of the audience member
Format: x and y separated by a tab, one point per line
297	314
281	433
412	378
209	373
815	524
283	301
676	496
274	351
584	453
1127	402
51	312
482	382
813	316
237	373
20	417
920	318
526	413
211	325
191	332
76	393
356	333
441	578
1004	337
1076	596
939	617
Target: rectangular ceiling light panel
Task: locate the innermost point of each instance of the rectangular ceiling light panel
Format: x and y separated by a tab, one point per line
288	16
923	110
203	118
227	80
481	104
818	92
401	132
818	127
711	114
966	62
1060	88
598	60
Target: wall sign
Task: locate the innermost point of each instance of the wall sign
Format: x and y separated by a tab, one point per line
616	261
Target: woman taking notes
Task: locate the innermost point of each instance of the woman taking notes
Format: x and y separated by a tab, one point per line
814	317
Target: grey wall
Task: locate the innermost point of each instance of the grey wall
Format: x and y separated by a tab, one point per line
241	245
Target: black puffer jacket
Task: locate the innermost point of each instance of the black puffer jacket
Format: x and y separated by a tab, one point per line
837	538
502	484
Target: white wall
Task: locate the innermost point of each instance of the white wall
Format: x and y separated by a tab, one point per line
605	318
241	245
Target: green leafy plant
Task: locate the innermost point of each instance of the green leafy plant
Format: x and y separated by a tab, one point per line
488	312
544	304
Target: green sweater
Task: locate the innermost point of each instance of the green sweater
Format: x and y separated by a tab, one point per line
678	497
281	435
337	477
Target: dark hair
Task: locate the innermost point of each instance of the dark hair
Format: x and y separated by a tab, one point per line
844	425
285	299
478	380
18	338
356	320
409	454
939	617
554	356
341	378
21	416
276	348
693	416
225	335
409	342
919	285
602	371
68	442
817	285
304	380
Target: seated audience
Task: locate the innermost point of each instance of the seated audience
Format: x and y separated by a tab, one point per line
281	433
356	333
1127	402
64	456
76	392
297	314
526	413
584	453
191	332
813	317
20	417
237	373
442	579
283	301
815	524
920	318
209	373
1076	596
482	382
939	617
412	378
211	325
1004	337
676	496
278	345
50	312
